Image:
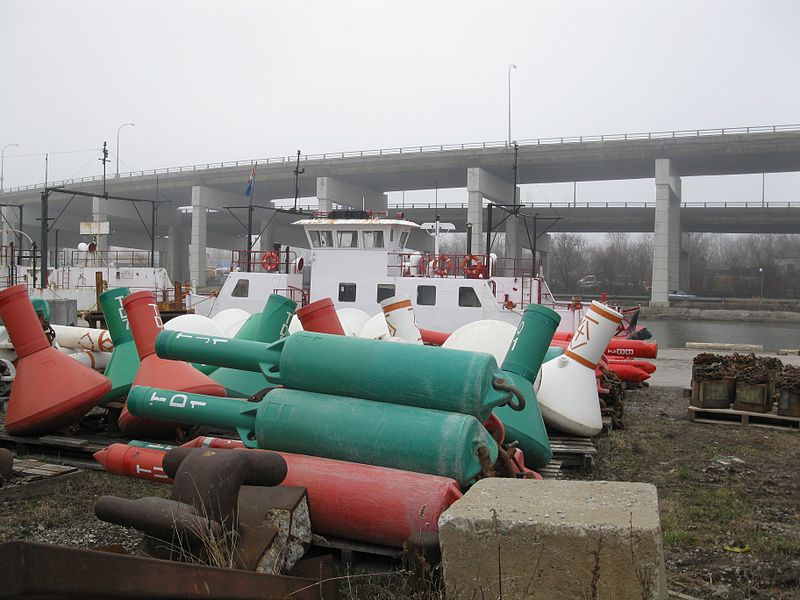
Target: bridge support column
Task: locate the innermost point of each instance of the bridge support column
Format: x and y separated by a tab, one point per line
197	245
99	216
332	191
482	184
543	249
267	229
177	260
667	236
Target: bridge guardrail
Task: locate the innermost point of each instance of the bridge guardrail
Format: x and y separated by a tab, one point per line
568	204
654	135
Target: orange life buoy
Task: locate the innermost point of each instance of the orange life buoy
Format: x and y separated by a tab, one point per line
270	261
442	265
470	265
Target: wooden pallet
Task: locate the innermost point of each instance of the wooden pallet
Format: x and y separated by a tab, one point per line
65	449
551	471
32	478
573	452
729	416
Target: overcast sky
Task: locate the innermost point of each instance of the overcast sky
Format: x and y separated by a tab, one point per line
211	81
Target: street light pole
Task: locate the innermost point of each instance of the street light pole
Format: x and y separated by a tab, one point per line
117	153
509	100
761	270
2	163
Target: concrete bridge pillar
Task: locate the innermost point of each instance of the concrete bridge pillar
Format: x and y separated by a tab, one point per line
204	199
543	249
667	254
483	184
332	191
177	259
267	229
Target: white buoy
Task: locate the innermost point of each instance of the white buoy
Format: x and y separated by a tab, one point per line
295	325
94	360
83	338
196	324
230	320
567	394
399	315
487	335
352	320
375	328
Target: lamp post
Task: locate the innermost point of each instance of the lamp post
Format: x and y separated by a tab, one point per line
761	270
2	163
511	66
117	153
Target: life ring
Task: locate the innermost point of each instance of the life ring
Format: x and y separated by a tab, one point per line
270	261
470	265
442	265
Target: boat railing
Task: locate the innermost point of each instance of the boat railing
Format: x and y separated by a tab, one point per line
457	266
301	296
266	261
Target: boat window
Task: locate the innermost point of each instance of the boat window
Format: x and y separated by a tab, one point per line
241	289
468	297
385	290
403	239
391	234
373	239
347	292
347	239
426	295
321	239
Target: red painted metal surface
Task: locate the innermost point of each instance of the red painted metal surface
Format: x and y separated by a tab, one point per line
362	502
644	365
620	346
433	338
133	461
145	323
628	373
213	442
320	317
50	390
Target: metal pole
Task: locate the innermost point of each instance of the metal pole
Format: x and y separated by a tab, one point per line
509	100
488	231
104	160
762	190
535	262
297	172
45	194
19	236
469	238
55	261
117	152
153	234
2	164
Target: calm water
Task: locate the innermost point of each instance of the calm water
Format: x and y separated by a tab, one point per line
675	333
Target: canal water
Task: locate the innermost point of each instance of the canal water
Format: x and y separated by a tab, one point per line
674	333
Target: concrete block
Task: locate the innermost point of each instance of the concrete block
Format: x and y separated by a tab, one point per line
63	311
553	539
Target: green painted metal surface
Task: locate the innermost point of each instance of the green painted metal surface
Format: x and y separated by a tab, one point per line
351	429
523	361
195	409
124	362
42	308
423	376
271	325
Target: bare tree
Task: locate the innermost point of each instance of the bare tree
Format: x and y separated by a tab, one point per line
568	259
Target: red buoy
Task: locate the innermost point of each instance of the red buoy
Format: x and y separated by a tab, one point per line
145	323
320	317
620	346
133	461
50	389
213	442
355	501
433	338
628	373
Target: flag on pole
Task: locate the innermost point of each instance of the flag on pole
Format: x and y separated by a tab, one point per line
251	182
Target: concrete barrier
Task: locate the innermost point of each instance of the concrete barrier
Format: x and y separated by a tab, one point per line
554	539
721	346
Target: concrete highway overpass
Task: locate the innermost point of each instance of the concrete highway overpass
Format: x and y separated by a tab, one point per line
486	170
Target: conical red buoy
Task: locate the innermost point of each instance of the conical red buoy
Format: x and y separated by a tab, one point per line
145	322
50	389
320	317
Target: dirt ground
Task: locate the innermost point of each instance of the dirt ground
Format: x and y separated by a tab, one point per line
729	496
729	499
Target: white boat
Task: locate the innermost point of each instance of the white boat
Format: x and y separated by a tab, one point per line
360	258
73	274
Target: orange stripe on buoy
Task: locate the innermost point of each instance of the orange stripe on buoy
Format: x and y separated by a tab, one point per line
580	359
397	305
610	316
